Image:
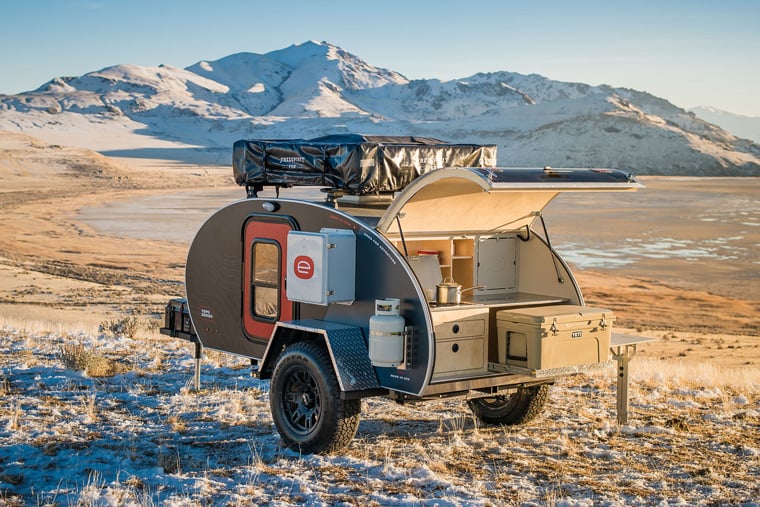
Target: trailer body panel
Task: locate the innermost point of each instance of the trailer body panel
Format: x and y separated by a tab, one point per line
215	286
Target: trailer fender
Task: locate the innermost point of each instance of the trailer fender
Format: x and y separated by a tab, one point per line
345	344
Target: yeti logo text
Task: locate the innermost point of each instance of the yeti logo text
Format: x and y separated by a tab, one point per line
303	267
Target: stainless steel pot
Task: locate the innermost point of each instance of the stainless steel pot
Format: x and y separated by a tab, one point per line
448	292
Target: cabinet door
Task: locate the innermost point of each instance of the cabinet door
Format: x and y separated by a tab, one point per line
495	268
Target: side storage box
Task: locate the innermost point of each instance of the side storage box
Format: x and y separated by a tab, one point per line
177	318
321	266
549	337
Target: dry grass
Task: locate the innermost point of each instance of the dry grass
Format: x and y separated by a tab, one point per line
79	357
5	385
43	326
695	374
128	326
15	413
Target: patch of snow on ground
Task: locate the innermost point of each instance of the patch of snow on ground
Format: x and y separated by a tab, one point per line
144	437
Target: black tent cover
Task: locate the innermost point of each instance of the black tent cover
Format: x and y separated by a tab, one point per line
354	163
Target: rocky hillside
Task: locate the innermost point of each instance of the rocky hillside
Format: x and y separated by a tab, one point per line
313	89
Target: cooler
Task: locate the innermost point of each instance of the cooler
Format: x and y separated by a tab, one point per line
550	337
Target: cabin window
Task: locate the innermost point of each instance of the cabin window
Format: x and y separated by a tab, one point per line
265	280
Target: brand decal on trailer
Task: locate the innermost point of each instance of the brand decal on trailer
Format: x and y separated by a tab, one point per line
381	247
303	267
206	313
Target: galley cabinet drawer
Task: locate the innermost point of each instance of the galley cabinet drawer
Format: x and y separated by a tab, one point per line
460	356
460	328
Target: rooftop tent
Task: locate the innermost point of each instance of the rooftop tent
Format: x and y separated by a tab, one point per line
353	163
458	201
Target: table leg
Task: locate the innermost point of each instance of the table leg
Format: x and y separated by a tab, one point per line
623	355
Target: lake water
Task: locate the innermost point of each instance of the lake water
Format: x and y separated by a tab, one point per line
694	232
698	232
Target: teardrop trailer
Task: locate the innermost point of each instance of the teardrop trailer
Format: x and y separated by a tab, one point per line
419	272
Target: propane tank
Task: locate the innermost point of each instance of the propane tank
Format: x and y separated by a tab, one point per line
386	334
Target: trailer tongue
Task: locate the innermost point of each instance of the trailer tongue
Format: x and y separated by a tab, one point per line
337	299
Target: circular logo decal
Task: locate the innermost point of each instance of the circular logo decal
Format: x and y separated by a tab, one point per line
303	267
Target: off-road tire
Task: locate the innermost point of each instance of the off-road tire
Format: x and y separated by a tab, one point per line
513	409
304	397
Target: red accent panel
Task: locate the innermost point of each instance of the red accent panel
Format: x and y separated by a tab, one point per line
273	232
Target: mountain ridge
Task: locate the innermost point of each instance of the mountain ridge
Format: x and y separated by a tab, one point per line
312	89
744	126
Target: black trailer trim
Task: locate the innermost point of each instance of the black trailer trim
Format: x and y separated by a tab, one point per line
346	346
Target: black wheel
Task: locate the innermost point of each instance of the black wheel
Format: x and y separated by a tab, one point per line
516	408
304	397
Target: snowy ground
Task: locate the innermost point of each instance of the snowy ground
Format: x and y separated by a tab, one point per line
144	437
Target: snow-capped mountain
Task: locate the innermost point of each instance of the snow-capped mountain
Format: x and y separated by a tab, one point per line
738	124
313	89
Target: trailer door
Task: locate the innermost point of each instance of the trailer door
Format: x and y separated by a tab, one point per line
264	297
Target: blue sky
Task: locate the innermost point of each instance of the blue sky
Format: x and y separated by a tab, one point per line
690	52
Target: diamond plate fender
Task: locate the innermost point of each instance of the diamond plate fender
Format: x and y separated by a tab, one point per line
345	344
